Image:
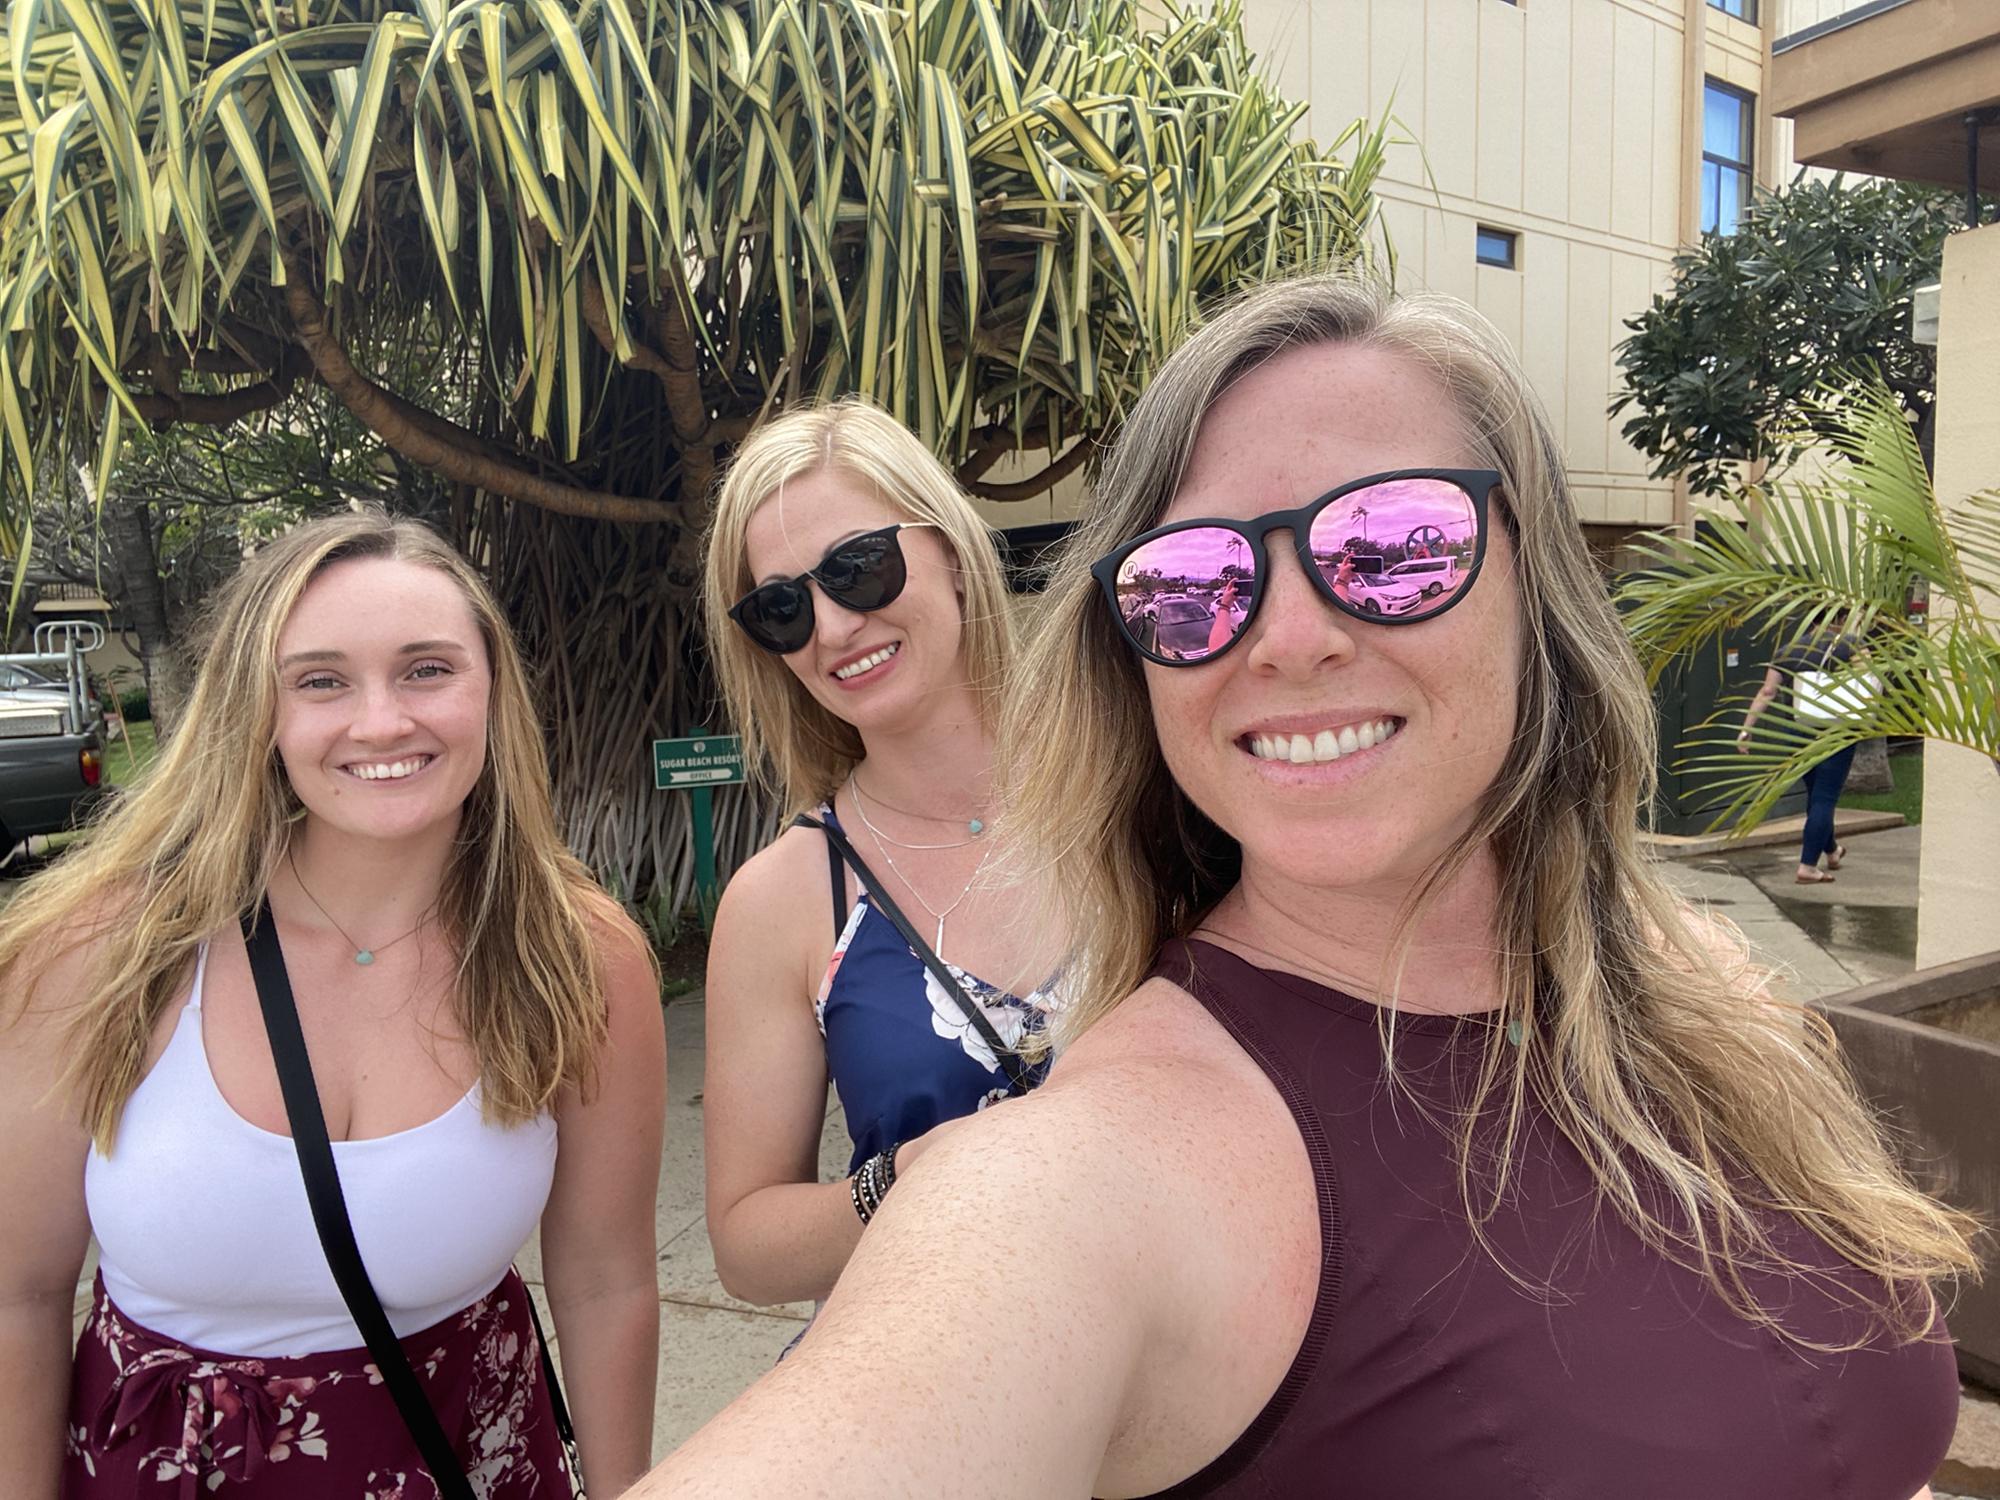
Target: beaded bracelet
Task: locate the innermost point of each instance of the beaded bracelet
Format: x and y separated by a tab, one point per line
871	1184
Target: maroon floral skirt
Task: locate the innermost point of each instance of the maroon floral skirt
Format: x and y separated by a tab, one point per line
152	1419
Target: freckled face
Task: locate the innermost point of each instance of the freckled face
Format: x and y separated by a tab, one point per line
383	686
1297	426
922	629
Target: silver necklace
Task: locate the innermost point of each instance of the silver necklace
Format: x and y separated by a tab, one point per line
974	826
362	956
937	943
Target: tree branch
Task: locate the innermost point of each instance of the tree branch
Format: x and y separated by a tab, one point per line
431	441
1053	474
164	408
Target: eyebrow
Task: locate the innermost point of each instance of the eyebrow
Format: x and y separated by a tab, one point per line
414	648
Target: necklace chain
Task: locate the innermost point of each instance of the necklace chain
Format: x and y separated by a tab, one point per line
973	825
937	944
362	956
861	806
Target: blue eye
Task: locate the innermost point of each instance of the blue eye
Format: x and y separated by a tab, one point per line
319	682
425	671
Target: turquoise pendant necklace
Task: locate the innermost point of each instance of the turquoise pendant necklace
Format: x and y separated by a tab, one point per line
362	956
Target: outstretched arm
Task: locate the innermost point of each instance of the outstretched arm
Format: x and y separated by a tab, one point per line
981	1342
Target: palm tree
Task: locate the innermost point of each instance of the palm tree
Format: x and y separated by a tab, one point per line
613	236
1841	551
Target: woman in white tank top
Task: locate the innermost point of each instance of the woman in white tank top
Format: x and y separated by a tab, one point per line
360	751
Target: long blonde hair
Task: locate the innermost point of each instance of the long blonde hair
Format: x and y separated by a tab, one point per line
1660	1060
795	745
178	858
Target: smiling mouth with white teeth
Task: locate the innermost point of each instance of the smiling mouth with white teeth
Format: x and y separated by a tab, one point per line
1327	745
391	770
867	663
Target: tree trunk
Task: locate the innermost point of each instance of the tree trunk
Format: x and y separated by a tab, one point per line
1870	772
129	534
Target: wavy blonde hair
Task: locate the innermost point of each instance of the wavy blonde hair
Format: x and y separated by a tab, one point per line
194	845
1699	1102
795	746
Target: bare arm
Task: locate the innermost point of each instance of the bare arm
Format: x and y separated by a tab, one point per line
598	1230
43	1237
780	1234
1773	683
1061	1299
986	1301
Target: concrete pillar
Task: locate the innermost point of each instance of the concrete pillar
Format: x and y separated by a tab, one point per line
1959	910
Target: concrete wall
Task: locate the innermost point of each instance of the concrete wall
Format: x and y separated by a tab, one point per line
1959	909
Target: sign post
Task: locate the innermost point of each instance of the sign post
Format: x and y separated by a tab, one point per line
699	764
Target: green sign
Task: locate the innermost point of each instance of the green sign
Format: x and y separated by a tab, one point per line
709	760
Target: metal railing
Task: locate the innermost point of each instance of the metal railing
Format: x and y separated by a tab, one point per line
63	643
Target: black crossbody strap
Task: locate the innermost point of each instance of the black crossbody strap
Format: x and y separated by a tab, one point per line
329	1207
1018	1079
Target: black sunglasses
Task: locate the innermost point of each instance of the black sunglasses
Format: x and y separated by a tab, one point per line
862	573
1390	549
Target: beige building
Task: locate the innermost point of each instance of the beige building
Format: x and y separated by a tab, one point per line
1554	155
1557	154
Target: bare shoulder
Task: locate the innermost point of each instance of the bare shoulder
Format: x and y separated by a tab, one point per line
1155	1203
776	912
1139	1114
46	982
623	953
785	871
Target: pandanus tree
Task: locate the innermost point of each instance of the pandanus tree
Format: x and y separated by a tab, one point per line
1841	551
603	239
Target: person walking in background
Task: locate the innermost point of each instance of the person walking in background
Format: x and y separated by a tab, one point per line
1407	1136
858	616
1813	655
350	838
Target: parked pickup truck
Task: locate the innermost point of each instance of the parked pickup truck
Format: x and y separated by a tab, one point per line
51	743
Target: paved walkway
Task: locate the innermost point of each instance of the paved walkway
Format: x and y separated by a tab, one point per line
1821	939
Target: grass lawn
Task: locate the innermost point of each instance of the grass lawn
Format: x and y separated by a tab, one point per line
1907	767
124	759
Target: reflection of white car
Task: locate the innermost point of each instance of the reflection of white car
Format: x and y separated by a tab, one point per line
1383	593
1433	575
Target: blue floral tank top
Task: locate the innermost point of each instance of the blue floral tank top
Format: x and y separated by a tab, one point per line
901	1051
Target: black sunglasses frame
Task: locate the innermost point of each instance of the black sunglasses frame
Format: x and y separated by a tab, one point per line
833	592
1478	485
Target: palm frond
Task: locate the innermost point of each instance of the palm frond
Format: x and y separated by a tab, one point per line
1841	551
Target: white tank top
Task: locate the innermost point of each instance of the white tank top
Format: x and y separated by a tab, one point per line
204	1233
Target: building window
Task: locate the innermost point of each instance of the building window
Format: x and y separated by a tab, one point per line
1743	10
1727	118
1495	247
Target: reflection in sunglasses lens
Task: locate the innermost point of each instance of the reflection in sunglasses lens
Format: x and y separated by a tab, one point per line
1187	594
1401	549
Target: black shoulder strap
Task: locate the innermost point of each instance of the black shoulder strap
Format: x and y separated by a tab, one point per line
329	1206
838	872
1018	1079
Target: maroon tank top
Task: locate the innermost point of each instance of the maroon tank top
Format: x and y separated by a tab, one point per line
1427	1371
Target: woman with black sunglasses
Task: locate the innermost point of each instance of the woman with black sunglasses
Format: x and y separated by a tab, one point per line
1407	1137
859	620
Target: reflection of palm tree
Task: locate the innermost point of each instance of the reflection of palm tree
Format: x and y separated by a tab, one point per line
1360	513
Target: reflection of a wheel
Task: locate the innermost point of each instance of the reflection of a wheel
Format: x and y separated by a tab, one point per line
1432	590
1371	606
1424	536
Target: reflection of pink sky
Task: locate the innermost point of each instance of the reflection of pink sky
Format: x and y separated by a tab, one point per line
1394	511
